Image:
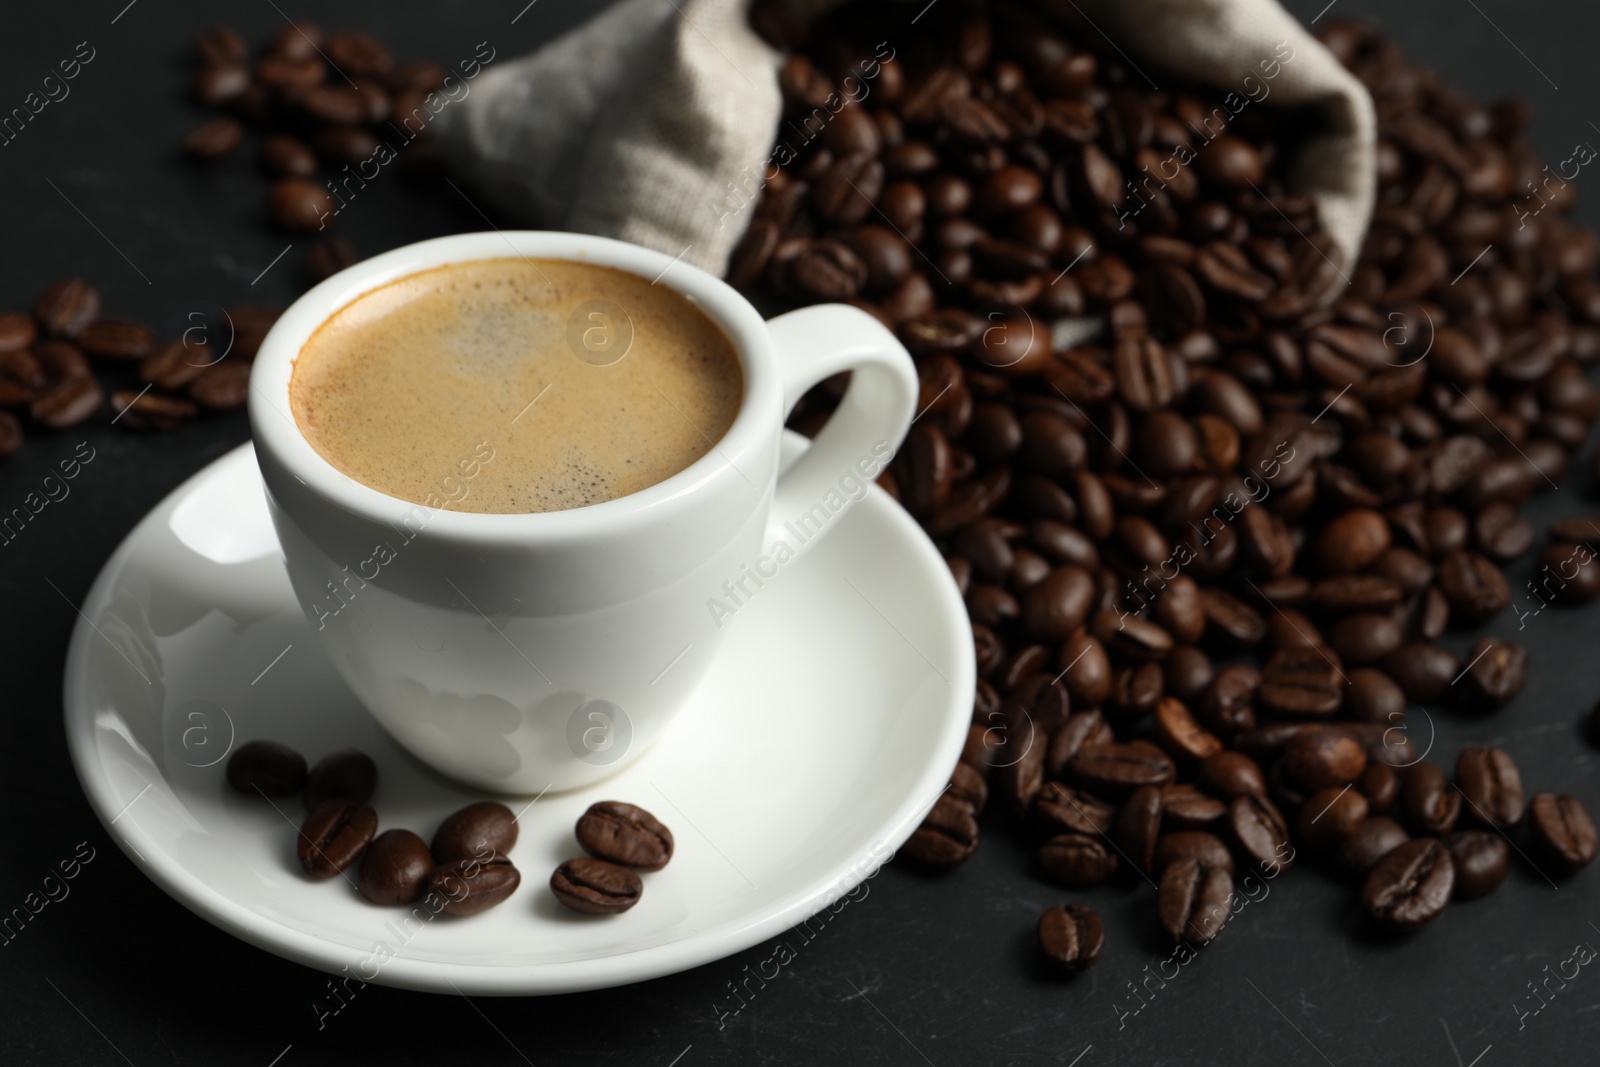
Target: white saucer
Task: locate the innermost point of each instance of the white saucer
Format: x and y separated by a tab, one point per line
825	731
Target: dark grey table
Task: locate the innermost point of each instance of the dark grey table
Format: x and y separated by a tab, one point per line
940	970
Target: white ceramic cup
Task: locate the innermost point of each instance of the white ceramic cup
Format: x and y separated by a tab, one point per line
519	653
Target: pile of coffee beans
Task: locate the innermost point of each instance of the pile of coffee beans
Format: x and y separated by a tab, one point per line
1208	542
467	867
57	363
319	103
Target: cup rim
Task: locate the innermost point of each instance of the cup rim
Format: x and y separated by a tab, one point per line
274	429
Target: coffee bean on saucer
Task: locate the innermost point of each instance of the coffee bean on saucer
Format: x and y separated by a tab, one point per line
625	834
1071	937
1482	860
334	835
468	886
487	828
1563	835
1411	885
395	869
596	887
267	768
344	775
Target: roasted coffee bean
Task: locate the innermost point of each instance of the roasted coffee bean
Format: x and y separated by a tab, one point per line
1180	734
1183	807
10	434
1491	785
1562	833
1227	706
66	402
1301	683
1229	774
17	331
1429	804
966	783
395	869
1372	696
1380	784
334	835
629	835
1139	825
468	886
1077	861
1116	771
1423	672
1057	606
222	387
1411	885
1474	586
484	829
213	140
948	834
1371	841
117	339
267	768
67	307
1207	848
1567	574
1083	728
1330	816
1318	759
288	157
344	775
330	256
1230	620
1071	937
151	411
1481	859
1060	809
1352	541
299	205
1195	901
1257	830
1188	672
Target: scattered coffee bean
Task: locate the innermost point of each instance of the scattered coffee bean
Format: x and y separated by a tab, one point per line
1071	937
1371	841
1411	885
1562	833
627	835
948	834
487	828
1481	859
213	140
395	869
1077	860
343	775
596	887
267	768
1429	803
1194	901
299	205
334	835
1491	786
468	886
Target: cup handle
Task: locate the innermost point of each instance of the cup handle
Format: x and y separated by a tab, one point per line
865	431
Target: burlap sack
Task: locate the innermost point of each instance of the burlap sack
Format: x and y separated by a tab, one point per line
634	124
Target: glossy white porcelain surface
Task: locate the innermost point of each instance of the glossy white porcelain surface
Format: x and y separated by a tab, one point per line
815	743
